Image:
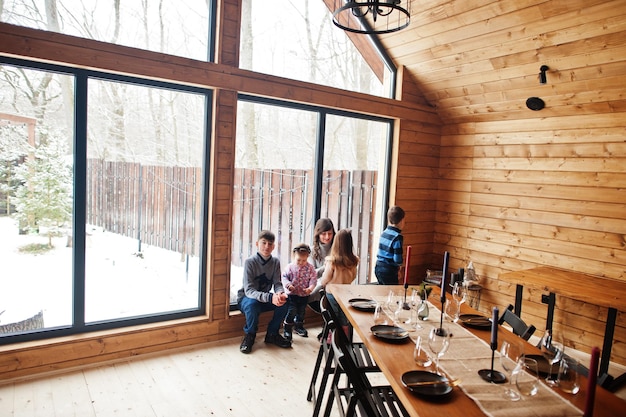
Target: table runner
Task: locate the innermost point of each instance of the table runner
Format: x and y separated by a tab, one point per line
468	354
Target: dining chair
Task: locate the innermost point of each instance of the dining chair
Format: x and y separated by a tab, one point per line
518	325
358	397
325	362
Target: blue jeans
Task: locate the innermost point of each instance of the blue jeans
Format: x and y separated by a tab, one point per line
386	275
252	308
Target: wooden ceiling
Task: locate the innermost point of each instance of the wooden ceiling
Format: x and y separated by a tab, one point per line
479	60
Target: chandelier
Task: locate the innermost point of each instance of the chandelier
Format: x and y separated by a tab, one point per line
372	17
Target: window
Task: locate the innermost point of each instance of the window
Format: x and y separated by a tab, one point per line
295	164
297	40
172	27
36	190
102	215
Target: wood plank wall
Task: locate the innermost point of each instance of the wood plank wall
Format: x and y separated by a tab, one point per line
515	195
518	188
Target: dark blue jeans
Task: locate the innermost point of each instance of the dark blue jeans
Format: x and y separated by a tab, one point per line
252	308
386	275
297	308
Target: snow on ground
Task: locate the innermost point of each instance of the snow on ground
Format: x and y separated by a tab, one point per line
118	282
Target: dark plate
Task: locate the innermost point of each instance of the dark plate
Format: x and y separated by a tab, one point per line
544	367
390	334
363	304
475	321
435	390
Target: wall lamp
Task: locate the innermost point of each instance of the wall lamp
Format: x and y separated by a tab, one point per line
542	74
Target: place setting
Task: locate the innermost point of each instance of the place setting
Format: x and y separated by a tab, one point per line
425	383
363	304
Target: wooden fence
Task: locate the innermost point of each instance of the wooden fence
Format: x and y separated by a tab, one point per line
161	206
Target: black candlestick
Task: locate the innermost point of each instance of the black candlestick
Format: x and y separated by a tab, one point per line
491	375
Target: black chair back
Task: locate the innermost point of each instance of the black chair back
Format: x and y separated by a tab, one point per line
519	327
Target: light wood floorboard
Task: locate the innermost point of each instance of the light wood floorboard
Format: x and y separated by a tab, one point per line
212	379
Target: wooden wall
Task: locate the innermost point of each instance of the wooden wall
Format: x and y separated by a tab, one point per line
521	188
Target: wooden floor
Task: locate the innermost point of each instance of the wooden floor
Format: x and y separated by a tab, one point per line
214	379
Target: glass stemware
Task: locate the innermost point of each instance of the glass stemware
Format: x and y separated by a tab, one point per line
459	292
552	349
392	303
380	317
510	356
526	379
438	342
420	356
453	310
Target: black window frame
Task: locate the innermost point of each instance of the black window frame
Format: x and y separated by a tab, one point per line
81	78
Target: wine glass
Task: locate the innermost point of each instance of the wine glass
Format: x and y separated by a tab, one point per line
380	317
416	307
510	355
526	379
420	355
453	310
459	292
552	349
392	303
438	342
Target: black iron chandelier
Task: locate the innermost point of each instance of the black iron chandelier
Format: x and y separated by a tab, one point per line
372	17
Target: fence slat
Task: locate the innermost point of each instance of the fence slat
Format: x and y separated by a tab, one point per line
162	206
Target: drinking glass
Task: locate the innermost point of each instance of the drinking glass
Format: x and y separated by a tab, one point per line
459	292
415	304
380	317
568	375
552	349
453	310
403	313
438	342
420	355
510	355
422	310
526	377
392	303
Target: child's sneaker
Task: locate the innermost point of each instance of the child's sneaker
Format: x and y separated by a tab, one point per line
300	330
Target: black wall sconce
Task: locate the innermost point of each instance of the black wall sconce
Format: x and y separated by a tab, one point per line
535	103
542	74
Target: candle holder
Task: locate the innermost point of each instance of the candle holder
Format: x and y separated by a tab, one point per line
491	375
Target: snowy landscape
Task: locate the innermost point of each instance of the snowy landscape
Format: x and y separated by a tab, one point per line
120	282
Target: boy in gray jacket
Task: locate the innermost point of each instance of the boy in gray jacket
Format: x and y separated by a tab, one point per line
261	275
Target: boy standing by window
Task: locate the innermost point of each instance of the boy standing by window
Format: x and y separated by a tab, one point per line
389	257
261	275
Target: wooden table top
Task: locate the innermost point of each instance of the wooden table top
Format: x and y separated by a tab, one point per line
394	360
605	292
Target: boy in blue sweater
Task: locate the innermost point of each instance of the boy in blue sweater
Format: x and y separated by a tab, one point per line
389	257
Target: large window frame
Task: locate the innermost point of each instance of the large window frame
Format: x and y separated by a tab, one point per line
81	80
318	167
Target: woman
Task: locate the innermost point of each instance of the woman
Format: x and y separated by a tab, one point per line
323	236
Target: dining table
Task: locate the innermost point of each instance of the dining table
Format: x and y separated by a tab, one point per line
469	350
591	289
